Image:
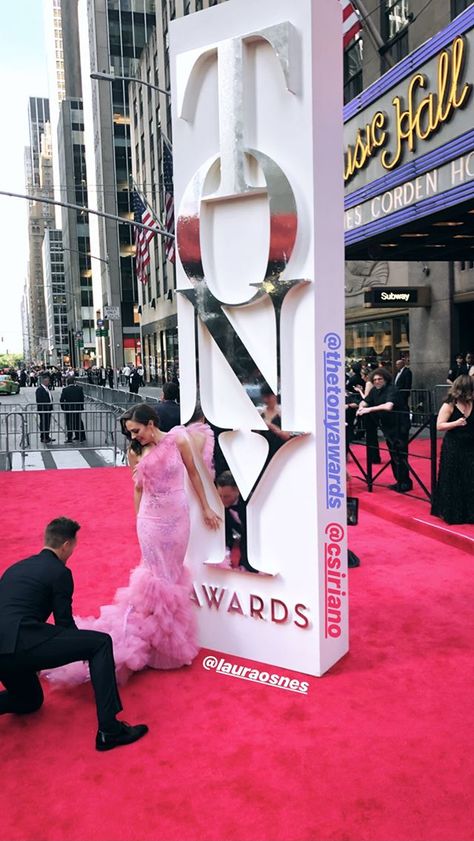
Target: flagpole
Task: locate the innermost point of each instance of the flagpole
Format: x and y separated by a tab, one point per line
374	33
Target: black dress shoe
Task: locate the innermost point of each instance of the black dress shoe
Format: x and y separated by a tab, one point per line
125	735
49	440
403	489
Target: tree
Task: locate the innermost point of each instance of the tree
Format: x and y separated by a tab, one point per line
10	360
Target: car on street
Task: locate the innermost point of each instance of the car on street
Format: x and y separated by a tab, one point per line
7	385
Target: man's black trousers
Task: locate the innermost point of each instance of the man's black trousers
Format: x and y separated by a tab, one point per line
45	423
23	690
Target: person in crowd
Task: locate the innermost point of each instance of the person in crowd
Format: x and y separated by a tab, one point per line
457	370
354	384
135	381
168	409
235	520
44	403
151	620
271	414
89	375
454	494
385	402
470	363
126	371
370	423
23	379
72	404
110	377
30	591
403	378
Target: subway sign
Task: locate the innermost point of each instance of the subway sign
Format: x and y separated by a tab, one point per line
396	296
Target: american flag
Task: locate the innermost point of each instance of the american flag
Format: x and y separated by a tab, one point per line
143	237
350	21
170	250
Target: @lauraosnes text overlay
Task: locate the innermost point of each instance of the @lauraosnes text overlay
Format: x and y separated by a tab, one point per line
224	667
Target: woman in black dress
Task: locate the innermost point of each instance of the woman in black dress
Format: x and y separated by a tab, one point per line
454	496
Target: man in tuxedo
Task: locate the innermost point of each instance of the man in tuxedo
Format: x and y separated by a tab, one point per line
30	591
403	379
44	403
235	519
168	409
72	404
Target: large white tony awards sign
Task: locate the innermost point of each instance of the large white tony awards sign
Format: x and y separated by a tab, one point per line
257	135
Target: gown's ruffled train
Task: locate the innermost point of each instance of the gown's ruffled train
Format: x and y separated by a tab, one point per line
151	621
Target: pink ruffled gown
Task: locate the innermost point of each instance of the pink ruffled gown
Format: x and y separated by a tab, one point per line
151	621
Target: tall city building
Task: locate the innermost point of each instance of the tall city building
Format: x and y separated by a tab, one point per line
75	232
151	128
56	294
70	175
64	69
112	35
24	323
38	116
40	218
392	30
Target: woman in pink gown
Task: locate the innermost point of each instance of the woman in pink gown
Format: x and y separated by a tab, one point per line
151	621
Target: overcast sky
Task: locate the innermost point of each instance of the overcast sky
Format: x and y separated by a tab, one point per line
23	73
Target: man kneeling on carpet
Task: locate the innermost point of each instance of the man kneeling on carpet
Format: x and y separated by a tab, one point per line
30	591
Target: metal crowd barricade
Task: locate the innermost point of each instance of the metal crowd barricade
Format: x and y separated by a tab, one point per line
114	396
20	432
371	472
440	392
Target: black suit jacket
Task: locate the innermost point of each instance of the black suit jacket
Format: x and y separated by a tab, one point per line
404	381
169	414
72	398
30	591
43	399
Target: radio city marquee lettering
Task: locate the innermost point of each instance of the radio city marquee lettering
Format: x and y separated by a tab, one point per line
243	334
416	117
453	174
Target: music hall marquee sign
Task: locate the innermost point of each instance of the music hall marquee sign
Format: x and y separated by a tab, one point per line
260	281
409	138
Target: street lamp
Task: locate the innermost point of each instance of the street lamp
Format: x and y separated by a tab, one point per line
109	77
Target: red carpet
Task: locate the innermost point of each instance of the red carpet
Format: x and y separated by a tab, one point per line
381	749
411	510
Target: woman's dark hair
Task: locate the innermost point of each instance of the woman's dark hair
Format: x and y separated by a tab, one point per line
141	413
461	389
60	530
381	372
